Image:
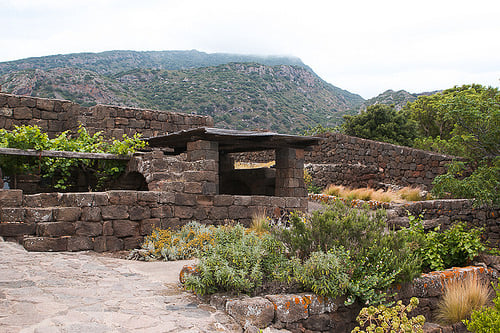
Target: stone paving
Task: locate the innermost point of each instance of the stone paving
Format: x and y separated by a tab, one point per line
88	292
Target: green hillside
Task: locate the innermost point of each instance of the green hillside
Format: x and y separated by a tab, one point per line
286	98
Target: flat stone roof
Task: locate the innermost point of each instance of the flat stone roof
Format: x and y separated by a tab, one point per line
233	141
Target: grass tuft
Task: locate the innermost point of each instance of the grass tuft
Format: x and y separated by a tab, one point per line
260	222
461	297
367	194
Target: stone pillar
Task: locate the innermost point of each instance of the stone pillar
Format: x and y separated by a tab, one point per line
226	163
202	150
290	173
206	153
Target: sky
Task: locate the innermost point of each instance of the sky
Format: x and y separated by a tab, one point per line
363	46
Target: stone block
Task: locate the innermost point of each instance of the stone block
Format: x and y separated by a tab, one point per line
238	212
182	199
162	211
89	229
223	200
124	228
80	244
199	176
122	197
91	214
146	226
12	214
38	215
139	213
101	199
256	311
14	229
77	199
11	198
67	214
107	243
22	113
134	242
201	213
114	212
148	196
45	244
218	213
289	308
55	229
260	200
107	228
45	104
204	200
193	187
209	188
28	101
183	212
242	200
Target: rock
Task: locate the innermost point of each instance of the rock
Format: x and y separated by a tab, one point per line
431	328
255	311
289	308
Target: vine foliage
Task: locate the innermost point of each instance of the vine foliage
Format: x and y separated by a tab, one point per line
58	173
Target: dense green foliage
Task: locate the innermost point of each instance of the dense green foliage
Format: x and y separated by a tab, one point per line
381	123
341	251
378	258
59	171
394	319
463	121
486	319
278	94
438	250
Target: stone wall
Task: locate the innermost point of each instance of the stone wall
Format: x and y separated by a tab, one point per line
116	220
445	213
55	116
441	213
350	161
308	312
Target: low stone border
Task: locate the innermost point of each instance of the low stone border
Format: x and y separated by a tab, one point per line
307	312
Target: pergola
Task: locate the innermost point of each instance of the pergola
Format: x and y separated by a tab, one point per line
217	144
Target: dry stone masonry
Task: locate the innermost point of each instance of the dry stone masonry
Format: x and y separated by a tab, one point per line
345	160
55	116
117	220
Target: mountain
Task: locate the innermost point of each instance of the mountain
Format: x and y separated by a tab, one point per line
241	92
399	98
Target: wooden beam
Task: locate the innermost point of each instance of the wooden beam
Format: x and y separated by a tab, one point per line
62	154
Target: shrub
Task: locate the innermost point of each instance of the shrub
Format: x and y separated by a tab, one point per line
452	247
486	319
460	298
59	171
239	262
177	245
382	319
379	258
325	274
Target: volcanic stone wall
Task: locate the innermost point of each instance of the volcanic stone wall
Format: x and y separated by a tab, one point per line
350	161
116	220
55	116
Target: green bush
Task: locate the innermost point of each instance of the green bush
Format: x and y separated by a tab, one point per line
326	274
238	261
382	319
59	171
486	319
379	258
453	247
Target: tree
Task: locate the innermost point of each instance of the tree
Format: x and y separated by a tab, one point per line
381	123
463	121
